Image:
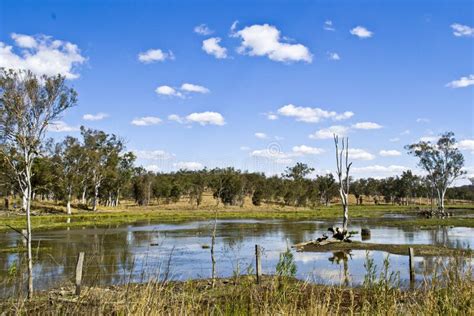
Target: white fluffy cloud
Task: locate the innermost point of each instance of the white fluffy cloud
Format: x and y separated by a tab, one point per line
460	30
189	87
265	40
188	165
328	25
389	153
154	55
202	118
41	54
153	154
181	92
466	144
307	150
61	127
361	32
312	115
360	154
168	91
261	135
146	121
203	29
327	133
379	170
95	117
212	47
333	56
367	125
462	82
274	155
428	139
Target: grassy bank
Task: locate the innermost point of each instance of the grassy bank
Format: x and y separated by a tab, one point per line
420	250
111	217
448	293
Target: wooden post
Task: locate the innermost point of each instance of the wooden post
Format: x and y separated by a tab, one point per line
412	266
258	263
80	262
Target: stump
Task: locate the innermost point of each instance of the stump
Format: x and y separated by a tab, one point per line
365	233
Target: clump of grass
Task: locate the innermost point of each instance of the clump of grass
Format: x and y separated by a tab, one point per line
445	293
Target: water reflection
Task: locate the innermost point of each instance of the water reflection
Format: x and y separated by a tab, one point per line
137	253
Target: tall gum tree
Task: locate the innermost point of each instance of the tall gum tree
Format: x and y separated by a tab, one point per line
443	162
28	104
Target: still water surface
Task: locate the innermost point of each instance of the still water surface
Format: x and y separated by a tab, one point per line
145	251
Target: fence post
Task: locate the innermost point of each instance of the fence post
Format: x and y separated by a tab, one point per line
258	263
412	266
80	262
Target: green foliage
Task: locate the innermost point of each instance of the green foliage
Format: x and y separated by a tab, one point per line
286	266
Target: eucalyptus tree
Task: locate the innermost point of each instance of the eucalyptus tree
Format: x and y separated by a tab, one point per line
102	151
28	104
70	161
443	162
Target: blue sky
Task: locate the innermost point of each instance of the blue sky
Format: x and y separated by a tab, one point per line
386	73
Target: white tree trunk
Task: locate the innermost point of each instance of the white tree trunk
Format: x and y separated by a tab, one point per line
96	197
68	202
83	199
27	197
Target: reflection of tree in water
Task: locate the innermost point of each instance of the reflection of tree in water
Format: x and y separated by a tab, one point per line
343	257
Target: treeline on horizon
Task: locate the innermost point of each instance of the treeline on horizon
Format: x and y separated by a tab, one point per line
97	170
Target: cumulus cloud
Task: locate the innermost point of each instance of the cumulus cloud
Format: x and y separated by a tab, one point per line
261	135
189	87
328	25
327	133
333	56
168	91
205	118
389	153
202	118
274	155
312	115
188	165
265	40
360	154
460	30
203	29
307	150
428	139
152	168
41	54
153	154
366	125
466	144
462	82
62	127
379	170
154	55
185	90
146	121
212	47
95	117
361	32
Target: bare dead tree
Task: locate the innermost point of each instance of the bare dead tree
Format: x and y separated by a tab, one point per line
343	167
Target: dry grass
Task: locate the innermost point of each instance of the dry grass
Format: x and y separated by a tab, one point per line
450	292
